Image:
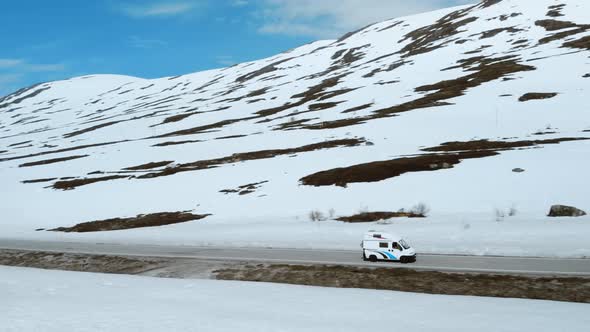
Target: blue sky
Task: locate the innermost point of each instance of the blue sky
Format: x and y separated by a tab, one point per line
50	40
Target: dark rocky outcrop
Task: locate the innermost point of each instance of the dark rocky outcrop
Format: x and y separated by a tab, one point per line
565	211
536	96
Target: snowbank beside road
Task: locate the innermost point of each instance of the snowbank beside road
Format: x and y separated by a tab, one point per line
470	234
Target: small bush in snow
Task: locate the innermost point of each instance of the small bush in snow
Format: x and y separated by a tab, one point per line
332	213
513	211
317	216
500	214
421	209
363	209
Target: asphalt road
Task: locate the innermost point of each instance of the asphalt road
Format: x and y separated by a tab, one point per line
444	263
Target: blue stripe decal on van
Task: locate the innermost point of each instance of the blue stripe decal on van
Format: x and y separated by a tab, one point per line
390	256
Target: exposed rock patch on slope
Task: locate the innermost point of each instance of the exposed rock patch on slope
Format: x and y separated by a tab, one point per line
140	221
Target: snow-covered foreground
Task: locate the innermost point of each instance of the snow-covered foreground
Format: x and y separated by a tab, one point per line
38	300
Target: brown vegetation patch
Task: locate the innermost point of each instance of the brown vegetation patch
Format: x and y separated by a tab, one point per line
62	150
351	33
389	68
140	221
19	143
536	96
176	143
39	180
252	94
179	117
352	55
582	43
336	123
323	106
264	70
257	93
485	70
204	128
422	39
382	170
482	145
494	32
51	161
407	280
208	84
230	137
391	26
245	189
553	25
386	83
505	17
93	128
21	92
555	10
77	262
255	155
338	54
358	108
540	133
376	216
72	184
489	3
314	93
148	166
292	124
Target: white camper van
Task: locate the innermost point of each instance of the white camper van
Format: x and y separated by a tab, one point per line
387	247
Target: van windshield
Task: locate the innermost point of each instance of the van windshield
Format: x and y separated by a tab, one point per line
404	244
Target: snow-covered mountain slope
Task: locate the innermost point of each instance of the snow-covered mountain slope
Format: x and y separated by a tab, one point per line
359	122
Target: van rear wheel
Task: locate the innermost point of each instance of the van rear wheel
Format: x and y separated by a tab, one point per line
373	258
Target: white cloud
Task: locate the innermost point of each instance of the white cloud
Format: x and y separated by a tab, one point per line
9	83
139	42
10	63
225	60
13	72
161	9
24	66
239	3
331	18
45	68
9	78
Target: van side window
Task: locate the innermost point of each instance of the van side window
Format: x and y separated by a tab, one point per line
396	246
382	244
